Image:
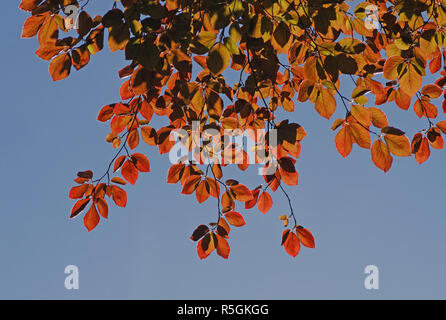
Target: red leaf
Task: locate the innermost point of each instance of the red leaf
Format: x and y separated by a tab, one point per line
91	219
119	196
202	192
129	172
175	173
141	162
223	248
242	193
78	207
191	184
292	244
235	218
78	192
102	207
118	163
265	202
251	203
105	114
305	237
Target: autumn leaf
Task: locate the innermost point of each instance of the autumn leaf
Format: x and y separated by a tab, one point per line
381	156
235	219
141	162
78	207
91	218
102	207
242	193
265	202
191	184
78	192
119	196
398	145
129	172
410	80
292	244
202	192
391	67
218	59
223	248
60	67
344	141
305	237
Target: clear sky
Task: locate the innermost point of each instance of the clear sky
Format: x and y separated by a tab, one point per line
358	215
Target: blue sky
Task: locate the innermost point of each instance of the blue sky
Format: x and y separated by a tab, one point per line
358	215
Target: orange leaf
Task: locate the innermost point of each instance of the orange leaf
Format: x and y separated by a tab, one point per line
214	187
402	99
242	193
78	207
325	103
305	237
133	139
379	118
91	219
141	162
344	141
292	244
125	91
118	124
32	25
78	192
381	156
149	136
362	115
118	163
421	149
102	207
119	180
29	5
105	114
222	223
410	80
223	248
398	145
146	110
432	91
202	192
391	67
175	172
60	67
265	202
251	203
206	245
129	172
235	218
119	196
435	139
49	32
442	126
191	184
361	135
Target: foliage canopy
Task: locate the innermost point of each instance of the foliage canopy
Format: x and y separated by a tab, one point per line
179	54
